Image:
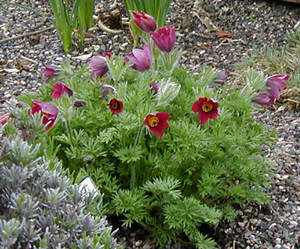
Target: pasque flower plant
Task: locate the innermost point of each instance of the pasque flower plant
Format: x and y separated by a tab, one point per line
139	139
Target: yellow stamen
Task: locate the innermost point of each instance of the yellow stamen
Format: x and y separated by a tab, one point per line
114	105
207	107
153	121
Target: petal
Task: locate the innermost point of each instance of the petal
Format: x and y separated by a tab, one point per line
197	106
280	77
213	114
163	116
203	117
275	83
274	93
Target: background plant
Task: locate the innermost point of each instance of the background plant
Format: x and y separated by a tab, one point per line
72	17
39	206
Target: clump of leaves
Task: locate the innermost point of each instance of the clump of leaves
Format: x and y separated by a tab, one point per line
39	208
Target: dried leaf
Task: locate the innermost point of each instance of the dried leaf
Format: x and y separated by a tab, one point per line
10	70
206	46
224	34
209	25
83	57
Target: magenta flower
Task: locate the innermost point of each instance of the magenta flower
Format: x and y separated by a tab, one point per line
141	58
264	99
157	123
164	39
5	117
107	89
50	71
116	106
144	21
154	86
59	89
79	103
221	78
48	110
275	84
206	109
99	65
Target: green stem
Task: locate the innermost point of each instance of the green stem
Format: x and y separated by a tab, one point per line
69	131
133	164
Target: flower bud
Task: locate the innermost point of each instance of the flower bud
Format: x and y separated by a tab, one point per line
167	92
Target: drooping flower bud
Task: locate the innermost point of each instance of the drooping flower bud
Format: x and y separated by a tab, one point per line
144	21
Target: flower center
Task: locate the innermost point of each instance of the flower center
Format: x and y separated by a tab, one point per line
153	121
207	107
114	105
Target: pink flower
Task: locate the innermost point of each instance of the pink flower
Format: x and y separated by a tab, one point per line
48	110
141	58
221	78
206	109
59	89
154	86
144	21
99	65
157	123
5	117
165	38
275	84
116	106
50	71
106	90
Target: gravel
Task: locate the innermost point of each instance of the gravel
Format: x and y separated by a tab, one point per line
242	25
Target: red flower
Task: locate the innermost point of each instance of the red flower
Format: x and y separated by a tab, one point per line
165	38
144	21
4	117
157	123
48	110
206	108
116	106
59	89
49	72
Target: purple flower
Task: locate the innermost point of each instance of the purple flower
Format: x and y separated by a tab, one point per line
154	86
59	89
264	99
106	90
165	38
49	71
99	65
79	103
274	84
221	78
144	21
141	58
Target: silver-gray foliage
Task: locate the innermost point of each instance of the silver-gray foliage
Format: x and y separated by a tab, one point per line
39	208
